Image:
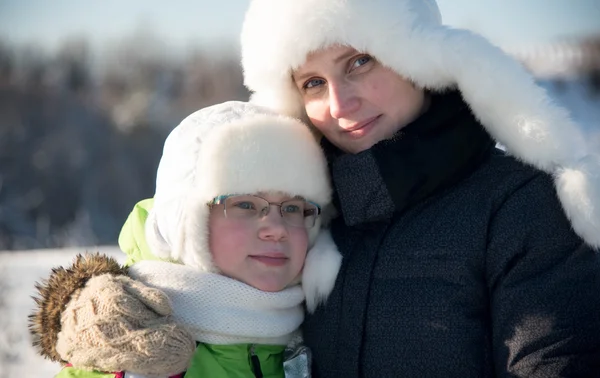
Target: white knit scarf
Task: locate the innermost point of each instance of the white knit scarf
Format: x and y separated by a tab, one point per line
220	310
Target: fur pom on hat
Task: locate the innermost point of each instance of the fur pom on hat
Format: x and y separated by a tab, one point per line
230	148
408	36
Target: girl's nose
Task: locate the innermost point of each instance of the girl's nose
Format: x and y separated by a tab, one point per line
272	225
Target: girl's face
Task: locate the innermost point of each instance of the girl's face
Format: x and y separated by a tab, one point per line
353	100
263	252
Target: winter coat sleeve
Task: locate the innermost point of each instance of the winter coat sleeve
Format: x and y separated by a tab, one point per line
544	287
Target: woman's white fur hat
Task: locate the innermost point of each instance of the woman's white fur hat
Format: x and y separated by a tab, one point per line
408	36
230	148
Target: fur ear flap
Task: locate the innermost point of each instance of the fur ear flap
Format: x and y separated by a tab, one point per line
321	267
510	105
156	241
578	188
192	243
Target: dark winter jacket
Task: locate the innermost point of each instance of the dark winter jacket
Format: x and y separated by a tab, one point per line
458	261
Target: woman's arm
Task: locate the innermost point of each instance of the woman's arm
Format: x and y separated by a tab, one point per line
544	286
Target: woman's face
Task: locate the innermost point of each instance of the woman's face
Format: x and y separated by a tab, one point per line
353	100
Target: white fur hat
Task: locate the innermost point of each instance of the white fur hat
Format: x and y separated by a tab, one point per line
230	148
408	36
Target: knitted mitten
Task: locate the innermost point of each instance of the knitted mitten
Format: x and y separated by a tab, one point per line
94	317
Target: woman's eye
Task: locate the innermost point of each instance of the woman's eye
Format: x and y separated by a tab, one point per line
313	83
361	61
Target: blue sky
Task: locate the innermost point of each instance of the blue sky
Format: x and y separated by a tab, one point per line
183	22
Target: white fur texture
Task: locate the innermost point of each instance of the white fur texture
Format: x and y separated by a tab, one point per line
578	188
229	148
408	36
320	270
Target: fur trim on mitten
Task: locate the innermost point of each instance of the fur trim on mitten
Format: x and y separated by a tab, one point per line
105	321
54	294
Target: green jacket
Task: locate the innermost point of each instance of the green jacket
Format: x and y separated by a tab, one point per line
132	239
215	361
69	372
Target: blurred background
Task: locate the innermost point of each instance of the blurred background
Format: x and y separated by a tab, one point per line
89	91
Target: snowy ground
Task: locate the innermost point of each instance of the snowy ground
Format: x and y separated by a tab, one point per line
19	271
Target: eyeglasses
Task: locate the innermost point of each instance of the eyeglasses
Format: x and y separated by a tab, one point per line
296	212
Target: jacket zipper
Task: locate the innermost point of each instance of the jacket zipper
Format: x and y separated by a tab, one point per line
255	363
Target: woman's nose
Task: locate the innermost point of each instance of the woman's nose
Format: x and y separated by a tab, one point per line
342	100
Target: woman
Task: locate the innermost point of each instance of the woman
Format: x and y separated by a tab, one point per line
458	260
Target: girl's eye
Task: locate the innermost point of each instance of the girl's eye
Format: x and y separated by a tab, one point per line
313	83
361	61
292	209
245	205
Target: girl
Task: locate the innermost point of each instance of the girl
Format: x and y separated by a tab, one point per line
238	200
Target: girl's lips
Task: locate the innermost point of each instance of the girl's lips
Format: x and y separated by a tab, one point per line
271	260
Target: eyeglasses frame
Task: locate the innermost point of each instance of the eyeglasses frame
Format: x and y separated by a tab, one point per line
222	198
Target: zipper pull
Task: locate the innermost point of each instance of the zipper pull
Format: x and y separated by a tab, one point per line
255	363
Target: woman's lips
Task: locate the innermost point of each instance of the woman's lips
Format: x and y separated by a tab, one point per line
359	130
360	125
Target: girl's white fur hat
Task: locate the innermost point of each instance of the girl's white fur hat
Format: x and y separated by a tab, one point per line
230	148
408	36
238	147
